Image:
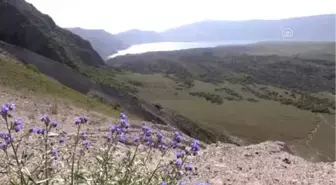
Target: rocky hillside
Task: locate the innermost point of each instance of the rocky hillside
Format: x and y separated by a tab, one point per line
23	25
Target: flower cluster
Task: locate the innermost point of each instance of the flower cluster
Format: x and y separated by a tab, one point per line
6	108
7	139
195	147
81	120
119	130
177	139
155	139
18	125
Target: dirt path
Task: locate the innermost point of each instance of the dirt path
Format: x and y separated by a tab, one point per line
326	122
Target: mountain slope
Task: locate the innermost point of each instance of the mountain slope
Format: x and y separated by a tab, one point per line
23	25
310	28
321	28
103	42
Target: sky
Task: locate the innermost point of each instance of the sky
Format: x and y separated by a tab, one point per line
117	16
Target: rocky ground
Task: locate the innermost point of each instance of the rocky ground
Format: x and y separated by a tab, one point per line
218	164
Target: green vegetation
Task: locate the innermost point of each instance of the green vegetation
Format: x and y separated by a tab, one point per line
213	98
25	78
231	92
107	76
263	97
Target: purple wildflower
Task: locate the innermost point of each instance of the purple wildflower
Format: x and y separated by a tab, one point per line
11	106
136	138
195	147
163	147
126	124
54	153
4	110
122	138
188	167
109	138
18	122
6	137
83	134
119	130
181	183
84	119
112	128
86	144
164	183
147	139
40	131
145	129
159	136
33	130
179	163
3	146
174	144
54	124
46	119
62	140
18	128
180	154
123	116
77	121
178	138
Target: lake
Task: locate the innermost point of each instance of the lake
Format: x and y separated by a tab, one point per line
171	46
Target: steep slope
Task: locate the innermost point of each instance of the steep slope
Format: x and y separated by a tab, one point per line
26	80
103	42
23	25
111	96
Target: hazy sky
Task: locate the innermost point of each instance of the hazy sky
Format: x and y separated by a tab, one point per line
157	15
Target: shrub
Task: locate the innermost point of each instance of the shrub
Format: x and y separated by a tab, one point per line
252	100
135	83
32	68
213	98
158	106
45	155
321	109
230	92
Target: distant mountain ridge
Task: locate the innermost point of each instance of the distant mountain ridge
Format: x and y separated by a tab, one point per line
103	42
23	25
309	28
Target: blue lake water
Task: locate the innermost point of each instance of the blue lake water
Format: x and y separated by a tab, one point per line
171	46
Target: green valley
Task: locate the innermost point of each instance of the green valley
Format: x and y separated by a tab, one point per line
247	91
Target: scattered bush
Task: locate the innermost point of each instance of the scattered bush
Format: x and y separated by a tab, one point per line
158	106
230	92
287	101
135	83
213	98
321	109
252	100
32	68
